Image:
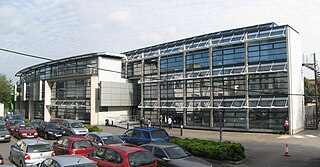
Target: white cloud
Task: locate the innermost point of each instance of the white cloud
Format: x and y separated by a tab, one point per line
119	16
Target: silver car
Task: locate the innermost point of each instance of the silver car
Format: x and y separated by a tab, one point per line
4	133
73	127
99	138
29	151
67	161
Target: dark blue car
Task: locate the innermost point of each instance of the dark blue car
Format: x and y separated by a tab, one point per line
19	118
140	136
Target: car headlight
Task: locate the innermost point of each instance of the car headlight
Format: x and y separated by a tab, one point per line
50	132
7	135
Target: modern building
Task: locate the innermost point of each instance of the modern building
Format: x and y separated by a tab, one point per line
85	87
247	79
251	77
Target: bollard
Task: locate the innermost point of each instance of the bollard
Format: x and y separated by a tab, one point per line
181	129
112	123
127	125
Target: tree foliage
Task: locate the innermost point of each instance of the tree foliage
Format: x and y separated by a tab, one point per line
6	91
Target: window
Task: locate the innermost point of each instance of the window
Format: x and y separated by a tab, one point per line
112	156
146	135
148	148
46	163
159	153
65	142
129	133
136	134
98	153
82	144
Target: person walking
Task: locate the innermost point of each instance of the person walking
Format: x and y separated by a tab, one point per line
286	126
160	121
149	122
142	122
165	121
170	122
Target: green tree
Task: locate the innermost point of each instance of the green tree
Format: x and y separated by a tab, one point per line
6	92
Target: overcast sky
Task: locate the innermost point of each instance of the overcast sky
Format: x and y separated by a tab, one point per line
62	28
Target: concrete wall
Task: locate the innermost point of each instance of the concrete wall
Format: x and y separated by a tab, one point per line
115	114
93	100
112	64
47	101
296	84
117	94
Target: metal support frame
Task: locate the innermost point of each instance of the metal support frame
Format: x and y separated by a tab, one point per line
316	89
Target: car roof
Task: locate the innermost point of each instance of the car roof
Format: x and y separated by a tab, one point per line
34	141
101	134
65	160
161	144
76	138
124	147
147	129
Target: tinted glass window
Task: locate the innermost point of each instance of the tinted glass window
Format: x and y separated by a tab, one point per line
159	134
3	128
158	153
26	127
17	117
77	125
82	144
140	159
146	135
148	148
113	156
52	126
39	148
136	134
176	152
111	140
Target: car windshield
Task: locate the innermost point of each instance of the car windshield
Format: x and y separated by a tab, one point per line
83	165
140	159
82	144
39	148
159	134
17	117
77	125
52	126
111	140
3	128
12	123
176	152
26	127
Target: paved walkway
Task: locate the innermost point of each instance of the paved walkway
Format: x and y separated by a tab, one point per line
262	149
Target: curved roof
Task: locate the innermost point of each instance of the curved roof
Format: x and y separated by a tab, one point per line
96	54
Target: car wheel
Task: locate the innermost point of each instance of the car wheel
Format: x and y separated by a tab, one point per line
10	158
45	136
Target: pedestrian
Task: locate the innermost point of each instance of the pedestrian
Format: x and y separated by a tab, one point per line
160	121
142	122
286	126
170	122
149	122
165	121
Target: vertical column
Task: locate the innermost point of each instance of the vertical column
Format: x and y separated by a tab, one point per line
93	100
142	86
247	80
211	82
47	101
159	88
31	109
184	85
40	90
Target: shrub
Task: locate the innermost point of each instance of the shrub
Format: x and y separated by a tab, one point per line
26	120
211	149
93	128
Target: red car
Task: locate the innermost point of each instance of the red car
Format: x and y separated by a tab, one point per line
59	121
24	131
10	125
73	145
122	155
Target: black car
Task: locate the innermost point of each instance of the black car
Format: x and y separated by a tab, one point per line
50	130
36	122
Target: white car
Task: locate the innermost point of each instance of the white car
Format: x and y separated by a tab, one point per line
29	151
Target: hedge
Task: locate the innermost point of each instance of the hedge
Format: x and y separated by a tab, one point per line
93	128
226	151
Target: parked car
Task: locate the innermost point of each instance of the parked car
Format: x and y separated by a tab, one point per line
74	127
58	121
36	122
4	133
169	154
50	130
18	118
73	145
29	151
67	161
122	155
1	159
10	125
140	136
2	120
99	138
8	117
24	131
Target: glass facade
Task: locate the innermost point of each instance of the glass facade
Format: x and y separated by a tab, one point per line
240	72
